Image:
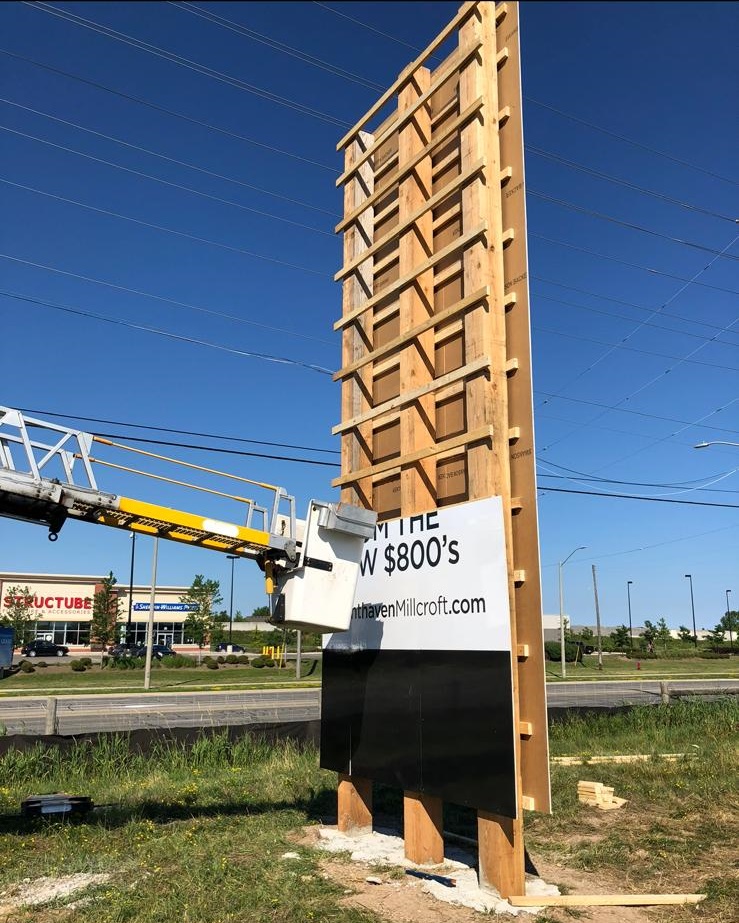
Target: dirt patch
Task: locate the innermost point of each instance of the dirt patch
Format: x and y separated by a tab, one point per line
399	898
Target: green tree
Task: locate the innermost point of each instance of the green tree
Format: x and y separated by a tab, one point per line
718	635
17	611
105	611
730	624
620	638
203	595
587	634
685	634
663	633
649	634
261	612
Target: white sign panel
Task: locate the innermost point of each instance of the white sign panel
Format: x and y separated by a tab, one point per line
435	581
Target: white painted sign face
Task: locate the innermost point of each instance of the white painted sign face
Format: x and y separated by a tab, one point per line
436	581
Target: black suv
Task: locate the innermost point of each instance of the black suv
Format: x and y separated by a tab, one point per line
40	648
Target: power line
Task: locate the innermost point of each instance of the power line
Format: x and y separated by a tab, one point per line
165	182
180	304
159	227
163	109
277	46
165	333
617	409
639	144
628	225
680	484
364	25
216	449
582	307
201	69
179	432
615	259
596	493
630	304
609	177
633	349
564	477
181	163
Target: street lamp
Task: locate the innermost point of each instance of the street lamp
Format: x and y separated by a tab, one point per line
628	596
562	611
728	623
705	445
231	558
130	589
692	606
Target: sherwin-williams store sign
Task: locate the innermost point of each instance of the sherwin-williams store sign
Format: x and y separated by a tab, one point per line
418	693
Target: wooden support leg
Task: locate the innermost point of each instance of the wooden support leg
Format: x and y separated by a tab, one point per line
422	829
355	805
501	853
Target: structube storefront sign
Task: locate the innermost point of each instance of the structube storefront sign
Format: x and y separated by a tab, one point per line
418	692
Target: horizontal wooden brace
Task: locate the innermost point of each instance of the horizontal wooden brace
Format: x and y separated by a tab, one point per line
511	367
505	175
435	200
508	237
519	577
407	397
603	900
514	434
501	11
528	803
502	57
382	190
516	505
396	287
503	116
461	16
522	651
525	728
510	300
396	464
456	64
434	320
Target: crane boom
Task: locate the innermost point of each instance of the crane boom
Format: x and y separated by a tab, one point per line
47	477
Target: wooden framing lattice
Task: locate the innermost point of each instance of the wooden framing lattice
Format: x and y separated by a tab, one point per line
436	359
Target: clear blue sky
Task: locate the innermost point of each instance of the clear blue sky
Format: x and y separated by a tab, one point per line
631	368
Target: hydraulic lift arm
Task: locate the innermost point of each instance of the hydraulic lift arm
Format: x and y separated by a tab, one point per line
311	566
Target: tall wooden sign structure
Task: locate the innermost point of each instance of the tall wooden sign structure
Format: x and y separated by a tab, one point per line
436	368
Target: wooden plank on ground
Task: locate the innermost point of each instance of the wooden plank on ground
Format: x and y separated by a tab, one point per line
604	900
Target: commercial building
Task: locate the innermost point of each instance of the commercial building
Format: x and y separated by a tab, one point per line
62	608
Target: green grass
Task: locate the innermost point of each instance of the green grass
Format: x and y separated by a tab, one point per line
197	833
619	667
61	679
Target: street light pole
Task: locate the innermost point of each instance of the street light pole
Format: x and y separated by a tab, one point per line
231	558
562	612
728	623
130	589
628	596
692	607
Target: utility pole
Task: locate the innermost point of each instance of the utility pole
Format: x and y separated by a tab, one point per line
130	589
597	621
692	609
562	611
150	626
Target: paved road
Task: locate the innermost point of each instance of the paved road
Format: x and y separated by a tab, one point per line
77	714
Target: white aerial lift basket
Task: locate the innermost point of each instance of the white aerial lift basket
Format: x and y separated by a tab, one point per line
318	594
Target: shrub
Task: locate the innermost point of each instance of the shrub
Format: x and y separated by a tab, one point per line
220	658
27	667
269	662
87	661
42	664
213	665
179	661
207	659
78	666
242	658
553	651
258	662
232	658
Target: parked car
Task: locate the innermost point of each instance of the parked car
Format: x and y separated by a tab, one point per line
41	648
223	647
158	651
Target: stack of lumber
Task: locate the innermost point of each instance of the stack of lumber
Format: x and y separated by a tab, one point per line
598	795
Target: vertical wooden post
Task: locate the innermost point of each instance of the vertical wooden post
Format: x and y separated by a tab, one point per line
354	795
501	852
422	814
50	725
